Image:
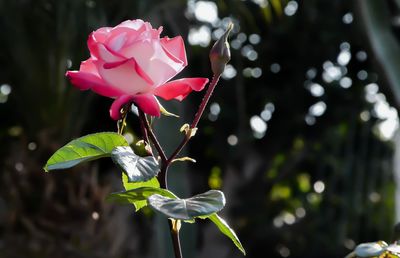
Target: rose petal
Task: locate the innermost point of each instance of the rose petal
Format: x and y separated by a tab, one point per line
154	60
89	67
133	24
175	48
179	89
117	41
121	37
137	68
116	106
146	102
88	78
141	26
127	76
104	53
100	35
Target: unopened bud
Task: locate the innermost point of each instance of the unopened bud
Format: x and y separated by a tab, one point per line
220	53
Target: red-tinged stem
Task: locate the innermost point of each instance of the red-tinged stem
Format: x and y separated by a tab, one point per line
162	177
166	162
151	135
175	240
144	130
197	117
205	100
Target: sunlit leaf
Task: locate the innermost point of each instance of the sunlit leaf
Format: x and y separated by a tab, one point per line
153	183
86	148
138	195
186	209
138	169
227	231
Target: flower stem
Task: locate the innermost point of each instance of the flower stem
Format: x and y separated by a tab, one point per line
162	177
144	131
166	162
152	136
175	238
205	100
197	117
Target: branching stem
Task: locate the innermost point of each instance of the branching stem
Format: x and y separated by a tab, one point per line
197	117
148	134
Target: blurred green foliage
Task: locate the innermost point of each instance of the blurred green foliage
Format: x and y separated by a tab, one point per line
308	185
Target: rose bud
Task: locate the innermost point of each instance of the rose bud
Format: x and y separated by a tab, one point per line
220	53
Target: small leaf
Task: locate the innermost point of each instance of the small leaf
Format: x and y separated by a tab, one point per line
227	231
142	148
86	148
186	209
184	128
166	112
153	183
190	132
184	159
138	169
138	194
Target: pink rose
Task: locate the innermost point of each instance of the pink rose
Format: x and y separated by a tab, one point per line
131	63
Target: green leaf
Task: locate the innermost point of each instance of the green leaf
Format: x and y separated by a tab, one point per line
138	169
86	148
186	209
153	183
227	231
138	194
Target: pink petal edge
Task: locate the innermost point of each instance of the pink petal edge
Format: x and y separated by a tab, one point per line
179	89
146	102
86	81
175	49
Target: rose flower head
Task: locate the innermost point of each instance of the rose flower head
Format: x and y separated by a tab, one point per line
131	63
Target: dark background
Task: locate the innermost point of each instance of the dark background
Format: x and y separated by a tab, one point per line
312	177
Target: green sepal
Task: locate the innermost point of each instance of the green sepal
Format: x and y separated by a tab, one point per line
166	112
